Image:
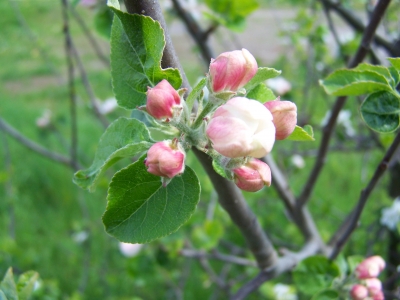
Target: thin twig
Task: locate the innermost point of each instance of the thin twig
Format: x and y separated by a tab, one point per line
11	131
88	87
96	47
71	85
354	216
285	263
340	101
195	31
352	20
219	256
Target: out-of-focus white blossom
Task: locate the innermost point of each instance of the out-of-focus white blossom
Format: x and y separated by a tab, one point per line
88	3
284	292
44	120
109	105
344	119
391	215
298	161
129	250
80	236
279	85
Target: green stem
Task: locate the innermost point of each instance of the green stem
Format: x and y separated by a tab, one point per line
207	109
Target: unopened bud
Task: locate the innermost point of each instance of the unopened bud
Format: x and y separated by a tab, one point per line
163	101
374	286
370	267
252	176
359	292
166	159
230	71
285	117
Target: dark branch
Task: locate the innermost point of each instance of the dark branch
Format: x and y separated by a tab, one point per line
340	101
4	126
354	216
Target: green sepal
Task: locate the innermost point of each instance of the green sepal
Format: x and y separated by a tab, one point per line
261	75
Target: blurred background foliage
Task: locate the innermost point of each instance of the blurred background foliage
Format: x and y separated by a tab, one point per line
53	227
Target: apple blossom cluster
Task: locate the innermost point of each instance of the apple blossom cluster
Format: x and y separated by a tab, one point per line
234	130
369	286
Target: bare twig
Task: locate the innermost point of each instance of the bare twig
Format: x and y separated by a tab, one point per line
4	126
352	20
71	85
340	101
351	222
88	87
284	264
219	256
195	31
96	47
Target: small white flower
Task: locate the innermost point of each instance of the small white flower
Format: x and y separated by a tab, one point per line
80	237
391	215
279	85
284	292
44	120
109	105
129	250
298	161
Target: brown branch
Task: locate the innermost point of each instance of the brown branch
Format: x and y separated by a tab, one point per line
71	85
340	101
89	36
195	31
351	221
11	131
284	264
219	256
358	25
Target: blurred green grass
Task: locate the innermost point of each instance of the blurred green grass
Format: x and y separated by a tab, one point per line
41	210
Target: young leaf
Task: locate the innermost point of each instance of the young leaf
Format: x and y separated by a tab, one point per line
8	286
26	283
353	83
326	295
315	274
2	296
261	75
261	93
140	209
195	93
395	75
395	61
220	170
381	111
137	44
299	134
123	138
377	69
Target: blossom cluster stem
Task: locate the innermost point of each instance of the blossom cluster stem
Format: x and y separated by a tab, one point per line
200	118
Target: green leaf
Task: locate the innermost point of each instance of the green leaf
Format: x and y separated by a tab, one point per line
395	61
395	75
26	283
137	44
220	170
299	134
123	138
261	75
354	82
261	93
103	20
2	296
377	69
315	274
381	111
140	209
353	261
8	286
207	236
195	93
326	295
231	13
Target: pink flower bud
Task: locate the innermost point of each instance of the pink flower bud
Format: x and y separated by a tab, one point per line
285	117
166	159
378	296
374	286
242	127
359	292
253	175
230	71
162	100
370	267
